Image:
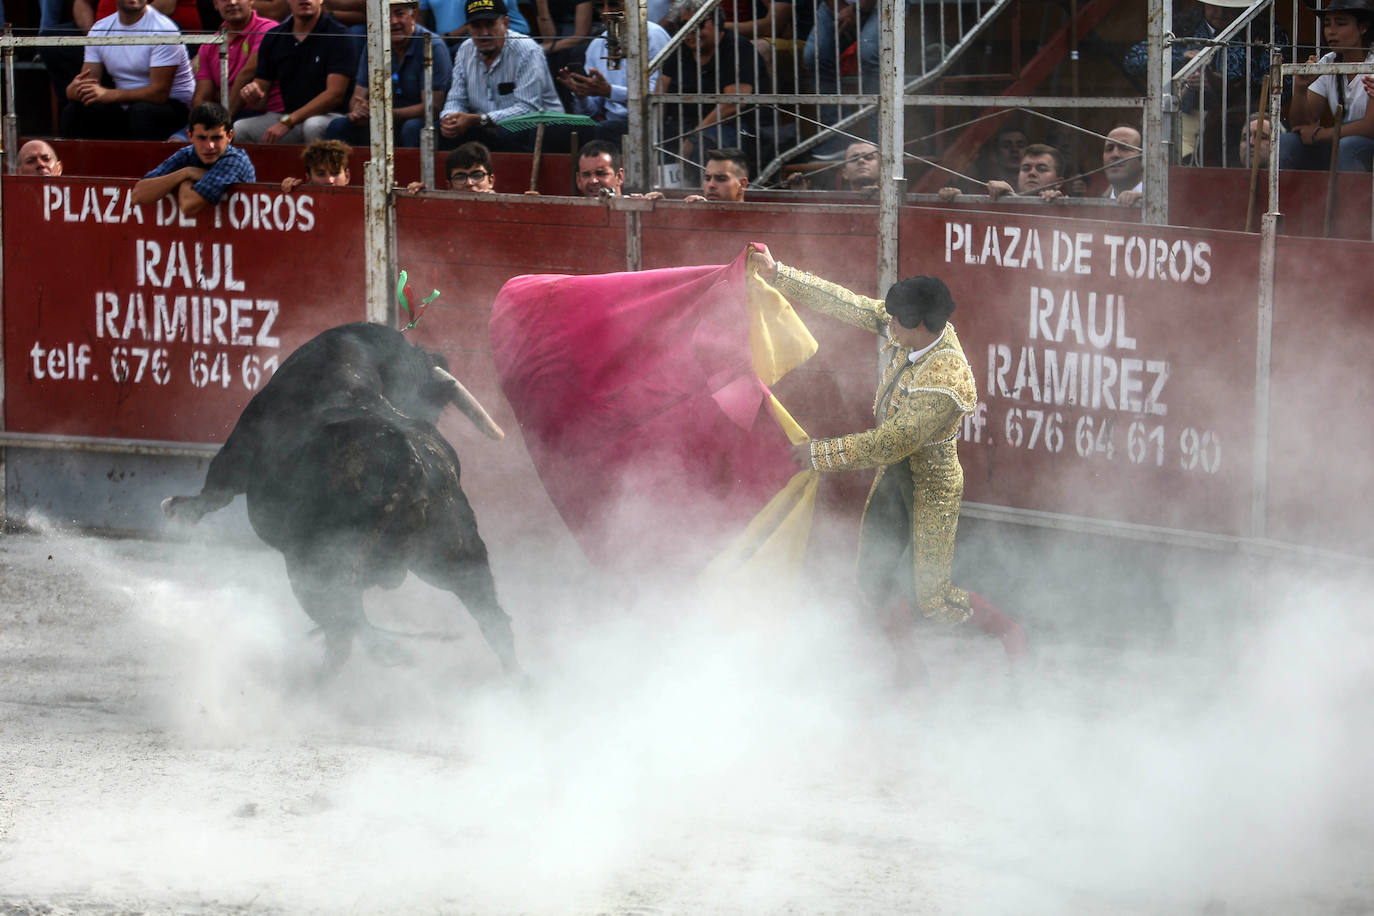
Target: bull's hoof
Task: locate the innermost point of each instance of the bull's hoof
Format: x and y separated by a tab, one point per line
386	651
183	509
338	645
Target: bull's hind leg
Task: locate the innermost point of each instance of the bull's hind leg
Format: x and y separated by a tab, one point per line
226	477
191	509
457	562
331	599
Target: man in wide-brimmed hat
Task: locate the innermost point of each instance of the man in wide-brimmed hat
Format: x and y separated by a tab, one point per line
1347	30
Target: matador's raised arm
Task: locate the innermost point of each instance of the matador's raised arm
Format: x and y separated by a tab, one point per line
801	288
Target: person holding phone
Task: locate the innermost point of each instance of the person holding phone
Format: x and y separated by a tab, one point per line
599	90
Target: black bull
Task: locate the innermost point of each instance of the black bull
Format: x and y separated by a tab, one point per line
347	475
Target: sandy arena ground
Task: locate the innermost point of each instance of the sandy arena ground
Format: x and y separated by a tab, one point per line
165	749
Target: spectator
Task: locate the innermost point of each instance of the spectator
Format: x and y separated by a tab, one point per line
599	172
769	25
185	13
760	20
600	90
1005	159
725	178
199	174
326	165
563	27
407	82
450	19
711	61
312	60
469	168
1121	161
153	84
860	167
1256	126
838	24
38	158
497	74
1203	142
1346	29
244	30
1041	173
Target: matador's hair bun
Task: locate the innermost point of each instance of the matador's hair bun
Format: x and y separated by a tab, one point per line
918	300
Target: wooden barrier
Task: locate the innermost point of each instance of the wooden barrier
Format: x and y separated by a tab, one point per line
1116	363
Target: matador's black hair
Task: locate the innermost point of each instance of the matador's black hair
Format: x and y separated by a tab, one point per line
918	300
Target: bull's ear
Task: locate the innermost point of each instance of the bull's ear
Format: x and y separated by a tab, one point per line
464	401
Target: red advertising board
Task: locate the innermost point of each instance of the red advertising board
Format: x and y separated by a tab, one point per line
1115	364
1320	478
127	321
1115	361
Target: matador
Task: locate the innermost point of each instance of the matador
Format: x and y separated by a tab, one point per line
906	544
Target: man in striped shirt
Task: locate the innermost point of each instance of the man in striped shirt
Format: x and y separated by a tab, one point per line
197	176
497	74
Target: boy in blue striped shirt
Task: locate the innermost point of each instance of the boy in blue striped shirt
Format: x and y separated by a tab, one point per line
199	174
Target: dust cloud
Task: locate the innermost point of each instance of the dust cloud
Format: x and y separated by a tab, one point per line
168	749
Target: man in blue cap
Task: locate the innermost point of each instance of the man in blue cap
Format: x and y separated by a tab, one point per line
497	74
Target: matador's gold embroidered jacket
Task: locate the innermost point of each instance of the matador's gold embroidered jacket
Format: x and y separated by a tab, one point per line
918	409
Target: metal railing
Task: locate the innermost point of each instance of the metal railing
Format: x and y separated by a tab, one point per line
9	43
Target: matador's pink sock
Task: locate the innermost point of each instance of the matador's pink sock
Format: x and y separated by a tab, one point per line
987	618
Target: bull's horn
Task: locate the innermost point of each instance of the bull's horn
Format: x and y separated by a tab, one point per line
464	401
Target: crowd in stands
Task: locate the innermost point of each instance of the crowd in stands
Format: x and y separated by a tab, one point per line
298	73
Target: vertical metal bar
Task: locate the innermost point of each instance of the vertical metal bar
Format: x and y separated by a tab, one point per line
1269	231
891	121
379	174
1275	104
11	130
638	147
223	51
1259	493
1155	210
427	132
634	249
11	140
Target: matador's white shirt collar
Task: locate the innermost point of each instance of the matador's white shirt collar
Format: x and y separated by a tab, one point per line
917	354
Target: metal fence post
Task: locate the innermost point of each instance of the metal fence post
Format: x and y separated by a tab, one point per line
427	132
891	137
639	151
1154	147
379	175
